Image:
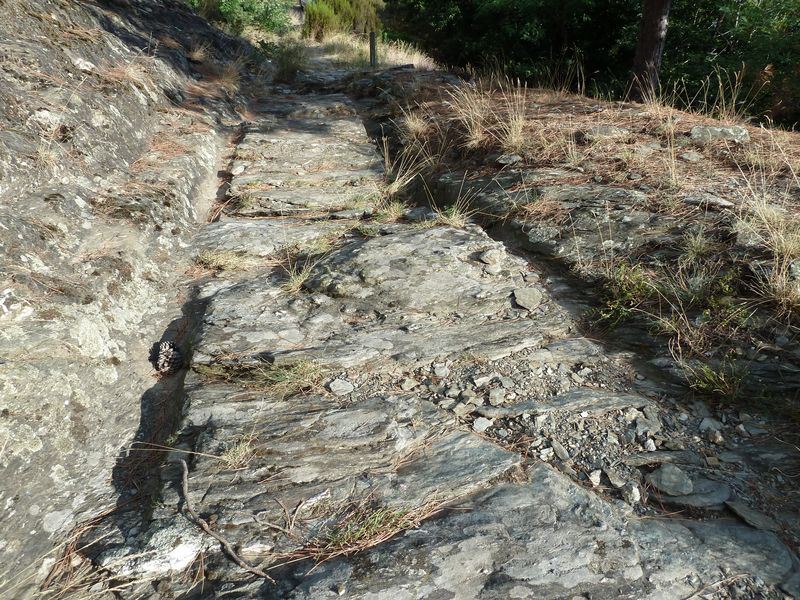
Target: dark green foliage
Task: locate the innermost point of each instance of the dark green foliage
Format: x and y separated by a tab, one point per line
534	37
525	35
271	15
761	37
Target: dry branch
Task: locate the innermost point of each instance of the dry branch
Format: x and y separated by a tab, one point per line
203	524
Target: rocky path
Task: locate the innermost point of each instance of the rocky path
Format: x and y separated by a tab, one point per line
422	394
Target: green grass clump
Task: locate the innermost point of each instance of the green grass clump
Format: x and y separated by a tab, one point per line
723	381
626	288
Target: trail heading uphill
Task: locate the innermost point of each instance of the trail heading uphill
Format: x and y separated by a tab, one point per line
402	394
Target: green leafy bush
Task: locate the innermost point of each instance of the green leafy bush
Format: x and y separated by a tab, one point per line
320	21
290	57
271	15
326	17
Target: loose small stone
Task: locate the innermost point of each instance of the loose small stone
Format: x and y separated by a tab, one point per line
452	392
492	256
671	480
408	384
529	297
496	396
468	394
507	382
594	477
709	424
340	387
630	493
481	424
462	410
560	451
441	370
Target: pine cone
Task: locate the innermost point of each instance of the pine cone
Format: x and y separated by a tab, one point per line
169	359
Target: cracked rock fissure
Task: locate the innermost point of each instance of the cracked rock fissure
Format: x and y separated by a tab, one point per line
410	404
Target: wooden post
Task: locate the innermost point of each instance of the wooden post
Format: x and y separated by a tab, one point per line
373	50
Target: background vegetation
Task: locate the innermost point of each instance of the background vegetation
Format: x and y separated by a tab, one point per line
326	17
541	39
271	15
750	48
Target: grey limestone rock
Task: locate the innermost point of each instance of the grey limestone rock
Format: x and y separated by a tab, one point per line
671	480
340	387
546	539
709	133
528	297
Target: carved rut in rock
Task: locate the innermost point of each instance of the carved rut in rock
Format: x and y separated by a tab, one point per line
400	388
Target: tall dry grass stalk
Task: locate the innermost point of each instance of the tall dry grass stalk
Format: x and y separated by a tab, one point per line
471	109
352	50
510	117
770	218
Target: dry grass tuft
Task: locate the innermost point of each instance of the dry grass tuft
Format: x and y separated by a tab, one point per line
199	53
297	273
543	209
136	72
224	260
85	34
278	380
770	219
168	147
510	117
470	107
361	526
169	42
390	211
352	50
239	454
230	74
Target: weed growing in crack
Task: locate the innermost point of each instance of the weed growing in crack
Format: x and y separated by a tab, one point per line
456	215
223	260
697	246
280	380
367	230
627	287
290	57
239	454
361	526
390	211
401	169
723	381
297	273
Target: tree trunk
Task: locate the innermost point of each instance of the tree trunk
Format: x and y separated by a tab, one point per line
647	62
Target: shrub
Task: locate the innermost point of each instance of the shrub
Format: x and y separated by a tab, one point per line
320	21
292	56
326	17
271	15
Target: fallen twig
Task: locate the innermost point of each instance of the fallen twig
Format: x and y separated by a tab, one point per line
226	545
715	584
